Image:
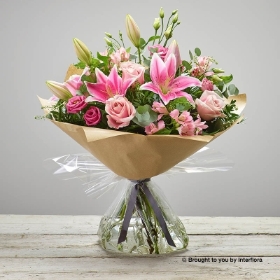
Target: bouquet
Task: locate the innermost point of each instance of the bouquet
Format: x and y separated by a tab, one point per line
141	110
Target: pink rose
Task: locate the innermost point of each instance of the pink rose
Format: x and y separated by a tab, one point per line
120	111
153	128
160	50
119	56
207	85
131	70
92	116
75	104
210	105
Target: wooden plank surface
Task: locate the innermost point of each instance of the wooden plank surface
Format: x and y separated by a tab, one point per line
17	224
66	247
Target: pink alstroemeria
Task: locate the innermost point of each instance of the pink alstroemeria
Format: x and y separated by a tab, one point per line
164	82
107	87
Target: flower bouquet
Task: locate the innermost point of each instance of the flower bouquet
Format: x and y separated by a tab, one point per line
140	112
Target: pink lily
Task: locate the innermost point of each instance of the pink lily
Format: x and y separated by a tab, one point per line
164	82
174	48
107	87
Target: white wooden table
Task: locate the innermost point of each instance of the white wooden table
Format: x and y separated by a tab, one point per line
66	247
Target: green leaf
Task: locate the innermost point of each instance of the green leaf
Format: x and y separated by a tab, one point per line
187	65
80	65
144	115
217	70
142	43
153	38
103	58
191	55
128	50
146	61
227	79
181	104
163	131
233	90
197	51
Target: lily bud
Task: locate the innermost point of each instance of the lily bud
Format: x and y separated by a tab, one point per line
217	70
168	32
59	90
175	18
108	35
216	79
174	48
174	12
161	13
108	42
156	24
132	30
82	51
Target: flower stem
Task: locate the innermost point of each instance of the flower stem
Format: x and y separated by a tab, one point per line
139	55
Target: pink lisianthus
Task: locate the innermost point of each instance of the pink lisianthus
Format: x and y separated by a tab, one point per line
120	111
210	105
207	85
131	70
185	116
75	104
92	116
119	56
74	83
160	50
199	125
153	128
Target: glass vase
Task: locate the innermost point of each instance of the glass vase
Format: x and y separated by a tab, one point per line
145	231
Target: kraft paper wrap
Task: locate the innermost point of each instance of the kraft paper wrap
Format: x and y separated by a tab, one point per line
136	156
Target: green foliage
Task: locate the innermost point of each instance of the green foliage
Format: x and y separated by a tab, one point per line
187	65
144	115
80	65
233	90
181	104
227	79
197	51
191	55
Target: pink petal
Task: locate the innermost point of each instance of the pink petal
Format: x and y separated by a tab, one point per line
101	77
183	82
126	83
151	87
171	65
114	81
161	125
98	91
158	71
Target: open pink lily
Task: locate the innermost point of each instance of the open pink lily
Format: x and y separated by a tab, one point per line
107	87
164	82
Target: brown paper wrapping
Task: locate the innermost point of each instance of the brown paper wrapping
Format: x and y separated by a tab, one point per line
136	156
